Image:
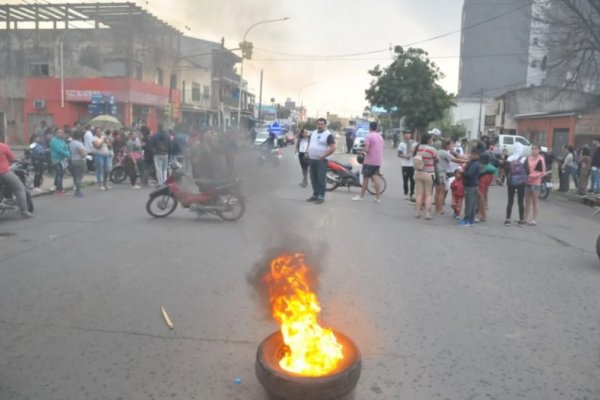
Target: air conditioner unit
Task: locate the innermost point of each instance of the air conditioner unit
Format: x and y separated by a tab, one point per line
39	104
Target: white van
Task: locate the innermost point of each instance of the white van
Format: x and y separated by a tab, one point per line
508	141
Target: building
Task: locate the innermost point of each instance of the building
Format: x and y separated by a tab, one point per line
546	115
223	89
65	63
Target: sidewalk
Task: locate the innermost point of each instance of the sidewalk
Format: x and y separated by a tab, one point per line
48	184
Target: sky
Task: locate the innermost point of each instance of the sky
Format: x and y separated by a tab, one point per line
300	56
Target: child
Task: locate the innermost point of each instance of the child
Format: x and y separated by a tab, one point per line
471	182
458	191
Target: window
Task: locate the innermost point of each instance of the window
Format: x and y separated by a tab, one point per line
509	140
490	120
206	93
522	140
112	68
158	76
195	91
38	69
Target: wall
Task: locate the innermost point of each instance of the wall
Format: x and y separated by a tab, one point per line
546	127
466	112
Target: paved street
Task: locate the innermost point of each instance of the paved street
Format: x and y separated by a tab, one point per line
439	312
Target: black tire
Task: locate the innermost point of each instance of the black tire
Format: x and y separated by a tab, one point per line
371	187
161	205
332	181
544	193
598	246
29	201
282	385
234	204
118	175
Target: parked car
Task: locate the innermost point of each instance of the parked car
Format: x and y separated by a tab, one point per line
261	136
359	140
290	138
508	141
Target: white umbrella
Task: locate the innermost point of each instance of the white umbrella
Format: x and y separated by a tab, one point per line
106	122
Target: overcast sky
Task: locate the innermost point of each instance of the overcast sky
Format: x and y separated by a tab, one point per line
321	29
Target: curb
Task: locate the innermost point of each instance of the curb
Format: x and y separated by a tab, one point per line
589	199
67	189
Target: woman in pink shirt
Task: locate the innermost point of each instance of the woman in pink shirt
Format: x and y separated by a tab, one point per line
536	169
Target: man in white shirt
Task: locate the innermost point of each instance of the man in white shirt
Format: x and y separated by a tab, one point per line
320	146
405	152
88	138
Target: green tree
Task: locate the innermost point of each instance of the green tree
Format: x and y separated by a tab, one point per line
408	88
334	125
448	129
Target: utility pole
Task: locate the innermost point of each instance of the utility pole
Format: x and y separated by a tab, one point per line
480	112
260	98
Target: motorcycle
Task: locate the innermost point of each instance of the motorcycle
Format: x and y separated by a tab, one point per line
222	198
268	155
341	174
546	185
8	201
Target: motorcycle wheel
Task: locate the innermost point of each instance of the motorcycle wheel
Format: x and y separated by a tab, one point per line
161	205
118	175
234	206
332	181
371	187
544	193
29	202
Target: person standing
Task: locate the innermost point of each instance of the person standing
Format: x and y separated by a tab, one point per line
536	169
516	178
59	155
373	158
596	166
148	154
471	184
320	146
445	158
38	157
161	147
12	180
133	159
584	171
101	158
78	154
301	147
424	159
349	140
570	166
405	152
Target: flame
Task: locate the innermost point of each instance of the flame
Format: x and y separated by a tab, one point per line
310	349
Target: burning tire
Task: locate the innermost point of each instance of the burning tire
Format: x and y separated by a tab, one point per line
283	385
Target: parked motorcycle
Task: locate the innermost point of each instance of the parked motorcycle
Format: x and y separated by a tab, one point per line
269	155
8	201
222	198
546	185
341	174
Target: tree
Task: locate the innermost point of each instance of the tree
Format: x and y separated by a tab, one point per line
448	129
334	125
408	88
571	33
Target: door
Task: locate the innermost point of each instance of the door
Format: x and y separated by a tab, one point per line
2	128
560	137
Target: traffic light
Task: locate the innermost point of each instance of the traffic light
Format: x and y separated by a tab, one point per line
246	48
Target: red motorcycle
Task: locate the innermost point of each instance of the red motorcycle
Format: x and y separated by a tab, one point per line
341	174
222	198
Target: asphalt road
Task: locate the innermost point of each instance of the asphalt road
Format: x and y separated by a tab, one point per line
439	312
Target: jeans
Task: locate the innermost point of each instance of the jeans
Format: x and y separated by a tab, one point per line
596	180
318	176
102	168
408	176
78	169
38	168
59	173
16	186
471	200
161	163
573	172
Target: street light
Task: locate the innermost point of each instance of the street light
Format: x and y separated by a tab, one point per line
302	88
239	115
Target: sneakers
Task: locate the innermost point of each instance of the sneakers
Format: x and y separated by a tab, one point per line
303	184
521	223
507	223
26	214
319	201
136	187
37	190
59	193
311	199
378	201
464	223
106	187
532	223
357	198
102	188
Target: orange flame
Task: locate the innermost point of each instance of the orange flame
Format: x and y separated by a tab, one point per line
311	349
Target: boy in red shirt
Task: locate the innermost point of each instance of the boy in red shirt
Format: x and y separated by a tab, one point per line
458	192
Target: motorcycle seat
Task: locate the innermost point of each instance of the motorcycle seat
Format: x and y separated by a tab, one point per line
206	184
347	166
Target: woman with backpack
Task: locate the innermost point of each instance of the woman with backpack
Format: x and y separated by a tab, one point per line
536	169
516	179
424	160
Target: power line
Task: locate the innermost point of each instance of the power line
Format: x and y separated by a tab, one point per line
387	58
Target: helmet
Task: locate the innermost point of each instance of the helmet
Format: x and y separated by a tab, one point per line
360	158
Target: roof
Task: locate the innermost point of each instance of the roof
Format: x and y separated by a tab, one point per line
111	15
545	115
